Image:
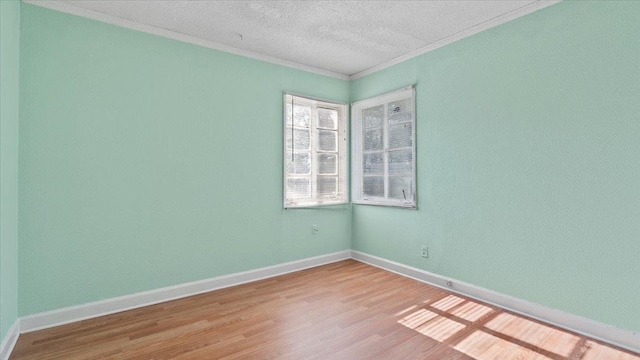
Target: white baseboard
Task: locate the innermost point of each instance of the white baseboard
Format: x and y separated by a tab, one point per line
71	314
10	340
625	339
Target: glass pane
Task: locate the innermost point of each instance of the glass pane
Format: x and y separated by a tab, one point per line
327	118
373	164
301	163
399	111
327	164
302	139
373	139
327	140
298	188
400	162
372	117
400	135
302	115
400	187
373	186
327	186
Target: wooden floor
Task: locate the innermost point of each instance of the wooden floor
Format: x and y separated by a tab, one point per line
345	310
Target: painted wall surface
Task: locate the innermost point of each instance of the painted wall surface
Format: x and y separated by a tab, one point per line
528	160
147	162
9	105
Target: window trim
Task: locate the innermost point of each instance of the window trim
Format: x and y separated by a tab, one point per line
357	174
342	151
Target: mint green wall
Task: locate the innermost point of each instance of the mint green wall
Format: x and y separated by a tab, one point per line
147	162
9	90
528	161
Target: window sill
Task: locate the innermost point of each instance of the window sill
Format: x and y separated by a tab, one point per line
409	206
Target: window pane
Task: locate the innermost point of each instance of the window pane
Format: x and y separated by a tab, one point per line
302	115
373	139
301	163
400	162
315	158
372	117
400	135
400	187
327	140
399	111
302	140
327	186
298	188
327	119
383	153
373	164
373	186
328	164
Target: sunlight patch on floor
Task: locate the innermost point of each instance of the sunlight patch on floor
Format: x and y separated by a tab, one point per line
482	346
471	311
431	324
447	303
542	336
440	328
500	335
597	351
417	318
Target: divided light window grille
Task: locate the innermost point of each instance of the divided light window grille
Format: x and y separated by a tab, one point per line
383	158
315	152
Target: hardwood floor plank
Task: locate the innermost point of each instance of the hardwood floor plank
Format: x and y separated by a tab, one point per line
344	310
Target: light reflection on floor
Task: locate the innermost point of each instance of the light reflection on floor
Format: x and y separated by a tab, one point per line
417	318
544	337
431	324
601	352
440	328
471	311
482	346
447	303
486	333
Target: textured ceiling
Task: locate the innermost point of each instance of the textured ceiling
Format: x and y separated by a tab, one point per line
344	37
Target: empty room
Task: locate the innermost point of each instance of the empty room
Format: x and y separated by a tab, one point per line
320	179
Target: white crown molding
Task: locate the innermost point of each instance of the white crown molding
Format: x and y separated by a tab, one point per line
94	309
625	339
9	341
69	9
498	20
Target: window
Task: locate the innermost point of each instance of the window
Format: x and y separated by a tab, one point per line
315	152
384	150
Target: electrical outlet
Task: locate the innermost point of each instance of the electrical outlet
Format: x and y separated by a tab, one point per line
314	229
425	251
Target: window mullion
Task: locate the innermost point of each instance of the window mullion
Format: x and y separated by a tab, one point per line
314	151
385	153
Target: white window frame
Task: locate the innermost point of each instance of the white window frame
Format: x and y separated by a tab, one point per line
342	152
357	174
